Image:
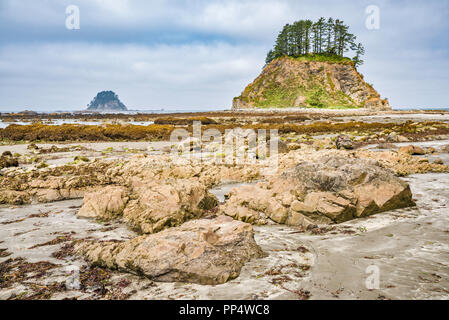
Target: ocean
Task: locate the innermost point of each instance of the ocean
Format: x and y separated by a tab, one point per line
144	111
187	110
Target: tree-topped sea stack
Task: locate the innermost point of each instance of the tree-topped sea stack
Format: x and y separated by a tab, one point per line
106	101
307	68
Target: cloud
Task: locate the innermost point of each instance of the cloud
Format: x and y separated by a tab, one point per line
69	75
202	53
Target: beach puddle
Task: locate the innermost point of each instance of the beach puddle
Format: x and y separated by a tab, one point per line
223	190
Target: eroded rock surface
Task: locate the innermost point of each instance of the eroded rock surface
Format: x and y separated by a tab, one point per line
106	203
150	206
402	164
159	206
329	190
18	186
200	251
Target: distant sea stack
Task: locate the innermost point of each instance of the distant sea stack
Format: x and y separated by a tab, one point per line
106	101
312	83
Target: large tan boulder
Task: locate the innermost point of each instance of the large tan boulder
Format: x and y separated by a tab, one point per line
158	205
412	150
104	203
246	205
149	206
200	251
326	191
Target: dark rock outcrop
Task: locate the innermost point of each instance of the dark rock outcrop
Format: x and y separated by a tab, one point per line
106	101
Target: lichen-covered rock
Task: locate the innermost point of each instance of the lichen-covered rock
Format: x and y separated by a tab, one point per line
200	251
329	190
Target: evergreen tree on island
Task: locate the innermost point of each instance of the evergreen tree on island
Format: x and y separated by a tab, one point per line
106	101
329	38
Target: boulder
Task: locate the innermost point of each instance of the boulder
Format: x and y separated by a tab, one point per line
159	205
344	142
402	139
104	203
329	190
412	150
207	252
392	137
149	206
7	160
351	182
245	205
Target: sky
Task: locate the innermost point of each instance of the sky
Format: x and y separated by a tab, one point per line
199	54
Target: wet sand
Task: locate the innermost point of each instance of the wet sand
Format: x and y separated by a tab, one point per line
410	248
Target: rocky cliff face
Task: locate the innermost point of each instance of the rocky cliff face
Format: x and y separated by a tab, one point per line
298	82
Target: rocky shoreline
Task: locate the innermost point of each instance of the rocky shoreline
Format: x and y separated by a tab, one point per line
138	225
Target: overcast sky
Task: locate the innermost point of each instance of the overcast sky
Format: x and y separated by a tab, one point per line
199	54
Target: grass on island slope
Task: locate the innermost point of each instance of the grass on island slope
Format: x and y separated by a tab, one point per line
322	58
284	95
316	96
